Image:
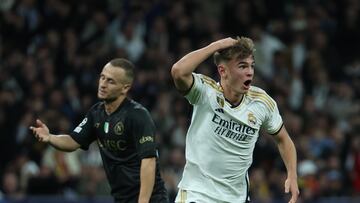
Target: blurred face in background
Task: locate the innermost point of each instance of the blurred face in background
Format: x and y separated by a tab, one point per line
112	84
10	183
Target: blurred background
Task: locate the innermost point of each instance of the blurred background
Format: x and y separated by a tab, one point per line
51	52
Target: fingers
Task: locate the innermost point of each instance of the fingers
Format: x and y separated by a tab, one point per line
33	129
40	131
37	134
232	40
293	198
41	139
292	186
39	122
287	189
287	186
294	195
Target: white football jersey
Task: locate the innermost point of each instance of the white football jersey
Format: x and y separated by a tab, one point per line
221	139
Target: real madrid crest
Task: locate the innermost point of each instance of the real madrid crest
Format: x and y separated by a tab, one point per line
119	128
220	101
251	119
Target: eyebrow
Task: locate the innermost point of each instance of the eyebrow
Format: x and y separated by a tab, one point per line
107	78
245	63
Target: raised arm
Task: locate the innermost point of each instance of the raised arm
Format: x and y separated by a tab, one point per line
288	154
182	69
61	142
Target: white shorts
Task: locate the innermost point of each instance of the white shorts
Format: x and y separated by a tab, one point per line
189	196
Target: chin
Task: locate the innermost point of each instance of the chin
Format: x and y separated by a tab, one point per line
109	99
242	91
100	97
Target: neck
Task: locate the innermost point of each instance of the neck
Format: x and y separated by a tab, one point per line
111	106
231	96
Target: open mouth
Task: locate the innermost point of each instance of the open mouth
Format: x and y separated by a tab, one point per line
247	83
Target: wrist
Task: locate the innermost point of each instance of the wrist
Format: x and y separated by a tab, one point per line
292	176
213	47
49	140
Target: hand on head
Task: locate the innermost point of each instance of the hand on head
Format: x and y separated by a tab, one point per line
226	43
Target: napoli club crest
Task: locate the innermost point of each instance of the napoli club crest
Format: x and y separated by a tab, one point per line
119	128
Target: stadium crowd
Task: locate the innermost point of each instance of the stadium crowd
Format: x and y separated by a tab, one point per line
307	59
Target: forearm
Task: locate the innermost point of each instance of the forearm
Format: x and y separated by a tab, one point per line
147	179
288	153
183	69
187	64
63	142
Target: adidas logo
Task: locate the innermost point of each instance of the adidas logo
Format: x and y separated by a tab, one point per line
219	110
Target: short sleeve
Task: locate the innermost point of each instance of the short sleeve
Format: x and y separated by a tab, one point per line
197	91
142	128
82	134
273	122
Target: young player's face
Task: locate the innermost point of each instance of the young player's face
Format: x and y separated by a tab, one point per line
238	74
112	83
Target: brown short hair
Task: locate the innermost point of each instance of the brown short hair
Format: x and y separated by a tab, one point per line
243	48
127	66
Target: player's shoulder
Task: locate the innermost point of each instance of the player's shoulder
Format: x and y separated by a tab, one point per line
208	81
138	114
135	108
256	89
99	106
260	95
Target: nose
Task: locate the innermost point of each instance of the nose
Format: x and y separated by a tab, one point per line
102	84
250	72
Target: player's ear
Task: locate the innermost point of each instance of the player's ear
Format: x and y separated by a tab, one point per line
126	88
221	69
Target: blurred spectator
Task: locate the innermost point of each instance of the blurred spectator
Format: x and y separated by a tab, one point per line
129	40
66	167
173	170
26	168
92	181
266	45
353	163
11	187
259	186
308	182
45	183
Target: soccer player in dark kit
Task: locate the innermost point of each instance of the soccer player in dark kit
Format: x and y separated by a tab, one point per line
125	134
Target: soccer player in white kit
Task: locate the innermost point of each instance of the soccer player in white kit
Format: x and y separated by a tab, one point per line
225	124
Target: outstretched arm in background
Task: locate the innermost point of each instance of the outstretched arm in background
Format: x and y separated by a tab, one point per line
60	142
182	70
288	154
